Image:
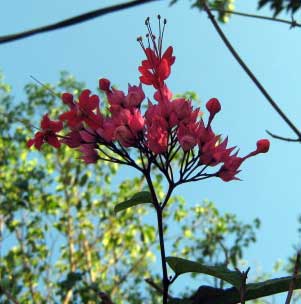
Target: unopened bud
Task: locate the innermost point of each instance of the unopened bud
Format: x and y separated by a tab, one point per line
67	98
263	146
104	84
213	106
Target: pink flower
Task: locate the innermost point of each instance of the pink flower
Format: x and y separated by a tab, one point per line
188	136
163	94
129	125
88	136
214	153
83	111
49	128
230	168
134	97
156	68
73	139
89	154
124	135
157	139
107	130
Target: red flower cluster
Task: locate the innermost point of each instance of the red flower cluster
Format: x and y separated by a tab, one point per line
167	127
47	134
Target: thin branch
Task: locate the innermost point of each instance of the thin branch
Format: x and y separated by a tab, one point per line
72	21
71	246
126	275
293	23
243	289
293	281
8	295
46	87
105	298
25	261
249	72
283	138
159	289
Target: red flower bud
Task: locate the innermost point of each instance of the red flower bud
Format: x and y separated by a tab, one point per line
213	106
67	98
263	146
104	84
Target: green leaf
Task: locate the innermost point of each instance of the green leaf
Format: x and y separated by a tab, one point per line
139	198
180	266
273	286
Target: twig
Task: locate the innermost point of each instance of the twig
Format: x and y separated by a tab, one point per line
249	72
283	138
45	86
70	238
8	295
72	21
156	287
126	275
105	298
25	260
292	23
243	288
293	281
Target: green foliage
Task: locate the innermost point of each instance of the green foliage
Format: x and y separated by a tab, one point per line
211	237
60	234
223	7
181	266
277	6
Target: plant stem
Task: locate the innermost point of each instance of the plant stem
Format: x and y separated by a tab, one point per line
165	280
159	211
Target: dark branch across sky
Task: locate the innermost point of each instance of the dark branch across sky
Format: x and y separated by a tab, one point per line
72	21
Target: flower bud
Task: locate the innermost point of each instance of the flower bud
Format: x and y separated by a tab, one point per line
104	84
67	98
263	146
213	106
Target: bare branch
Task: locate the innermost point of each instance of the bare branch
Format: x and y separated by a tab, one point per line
293	281
156	287
105	298
72	21
249	72
283	138
293	23
8	295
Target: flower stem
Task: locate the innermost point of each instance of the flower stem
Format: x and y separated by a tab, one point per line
165	280
159	211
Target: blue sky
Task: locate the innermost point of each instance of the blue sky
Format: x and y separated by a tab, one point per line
107	47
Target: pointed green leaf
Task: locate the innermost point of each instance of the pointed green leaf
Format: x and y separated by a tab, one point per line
273	286
139	198
180	266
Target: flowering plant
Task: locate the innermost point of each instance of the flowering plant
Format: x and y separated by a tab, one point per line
170	135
